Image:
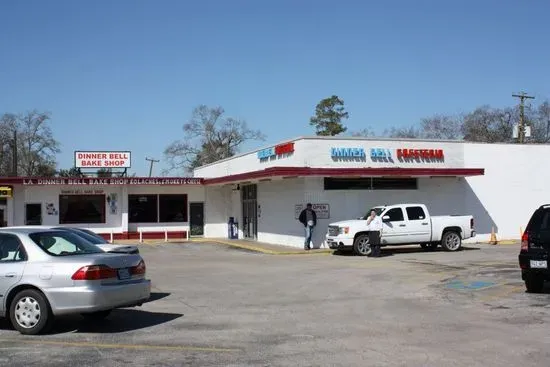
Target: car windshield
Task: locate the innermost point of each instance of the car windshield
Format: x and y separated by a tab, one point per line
63	243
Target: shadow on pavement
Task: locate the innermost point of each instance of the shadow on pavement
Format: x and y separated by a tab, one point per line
390	251
119	321
155	296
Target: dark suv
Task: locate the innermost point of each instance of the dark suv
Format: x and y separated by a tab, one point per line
535	248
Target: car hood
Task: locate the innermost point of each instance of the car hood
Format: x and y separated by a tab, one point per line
347	222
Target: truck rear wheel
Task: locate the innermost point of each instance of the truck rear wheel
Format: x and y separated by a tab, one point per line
361	245
451	241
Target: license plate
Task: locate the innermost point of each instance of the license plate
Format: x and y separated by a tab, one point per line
123	274
539	264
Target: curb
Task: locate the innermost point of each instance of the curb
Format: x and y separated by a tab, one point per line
260	249
502	242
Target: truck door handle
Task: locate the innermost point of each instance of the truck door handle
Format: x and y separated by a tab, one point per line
402	225
10	275
424	224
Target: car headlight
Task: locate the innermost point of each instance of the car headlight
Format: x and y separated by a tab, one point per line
343	230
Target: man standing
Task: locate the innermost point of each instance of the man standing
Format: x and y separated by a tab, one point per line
308	218
375	225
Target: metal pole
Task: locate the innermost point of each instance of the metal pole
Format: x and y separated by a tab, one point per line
153	161
521	127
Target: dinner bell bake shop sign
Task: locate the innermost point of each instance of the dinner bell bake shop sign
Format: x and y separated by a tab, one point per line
102	159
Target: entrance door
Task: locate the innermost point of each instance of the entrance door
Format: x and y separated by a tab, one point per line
196	219
33	214
249	197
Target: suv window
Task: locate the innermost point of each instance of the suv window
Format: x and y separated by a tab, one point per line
395	214
540	221
415	213
11	249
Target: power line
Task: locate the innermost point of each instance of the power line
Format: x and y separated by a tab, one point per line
153	161
521	128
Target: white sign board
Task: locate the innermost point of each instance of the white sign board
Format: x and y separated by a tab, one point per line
322	210
102	159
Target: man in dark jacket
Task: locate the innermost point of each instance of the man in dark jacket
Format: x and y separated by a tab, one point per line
308	218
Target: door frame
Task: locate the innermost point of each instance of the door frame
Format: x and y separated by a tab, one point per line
41	213
203	220
251	205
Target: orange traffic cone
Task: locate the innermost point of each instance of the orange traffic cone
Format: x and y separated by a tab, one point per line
493	240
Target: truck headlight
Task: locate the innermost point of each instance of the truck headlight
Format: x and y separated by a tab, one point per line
343	230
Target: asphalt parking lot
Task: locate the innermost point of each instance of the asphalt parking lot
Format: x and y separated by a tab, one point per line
218	306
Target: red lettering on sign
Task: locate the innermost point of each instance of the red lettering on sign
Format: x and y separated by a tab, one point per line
420	153
284	148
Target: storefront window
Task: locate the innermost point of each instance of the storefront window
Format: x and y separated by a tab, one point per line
172	208
81	209
370	183
142	209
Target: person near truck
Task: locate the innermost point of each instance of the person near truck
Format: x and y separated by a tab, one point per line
374	223
308	218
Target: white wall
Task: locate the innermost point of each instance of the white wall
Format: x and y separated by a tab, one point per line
277	224
515	184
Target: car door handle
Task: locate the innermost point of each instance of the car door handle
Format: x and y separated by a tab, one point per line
10	275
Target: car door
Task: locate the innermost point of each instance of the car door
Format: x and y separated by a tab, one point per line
12	264
418	225
394	229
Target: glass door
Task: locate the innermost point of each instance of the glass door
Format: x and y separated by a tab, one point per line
249	206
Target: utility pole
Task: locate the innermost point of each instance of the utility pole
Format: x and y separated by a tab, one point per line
521	128
153	161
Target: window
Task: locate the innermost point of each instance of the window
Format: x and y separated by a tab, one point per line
33	214
415	213
173	208
142	209
63	243
395	214
81	209
11	249
390	183
370	183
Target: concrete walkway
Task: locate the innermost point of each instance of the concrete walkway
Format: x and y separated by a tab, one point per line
260	247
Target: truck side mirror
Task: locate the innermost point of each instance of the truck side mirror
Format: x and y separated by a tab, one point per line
386	218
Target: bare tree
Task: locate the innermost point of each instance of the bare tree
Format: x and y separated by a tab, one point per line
403	132
441	127
488	125
208	137
36	145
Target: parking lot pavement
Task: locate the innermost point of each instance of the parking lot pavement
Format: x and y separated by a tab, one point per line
218	306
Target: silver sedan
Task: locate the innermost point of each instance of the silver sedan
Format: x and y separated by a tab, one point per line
46	273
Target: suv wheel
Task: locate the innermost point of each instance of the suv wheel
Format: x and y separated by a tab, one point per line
534	284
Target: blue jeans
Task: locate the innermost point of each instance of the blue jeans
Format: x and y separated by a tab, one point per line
309	235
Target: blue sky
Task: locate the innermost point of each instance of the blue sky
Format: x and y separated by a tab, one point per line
126	74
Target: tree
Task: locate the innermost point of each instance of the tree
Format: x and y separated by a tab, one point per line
441	127
403	133
208	137
488	125
329	113
104	172
71	172
36	146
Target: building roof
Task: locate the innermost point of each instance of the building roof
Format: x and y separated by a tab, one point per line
287	172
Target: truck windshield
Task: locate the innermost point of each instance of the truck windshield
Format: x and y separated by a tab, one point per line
377	210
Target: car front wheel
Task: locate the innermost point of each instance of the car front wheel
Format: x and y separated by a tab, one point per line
30	312
361	245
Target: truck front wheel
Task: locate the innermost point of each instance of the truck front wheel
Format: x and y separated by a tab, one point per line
361	245
451	241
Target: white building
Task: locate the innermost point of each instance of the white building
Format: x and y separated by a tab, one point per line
499	184
264	190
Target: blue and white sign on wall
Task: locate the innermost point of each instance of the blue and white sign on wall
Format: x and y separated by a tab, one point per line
380	153
347	152
266	153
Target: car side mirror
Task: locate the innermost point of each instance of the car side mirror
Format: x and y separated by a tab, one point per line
386	218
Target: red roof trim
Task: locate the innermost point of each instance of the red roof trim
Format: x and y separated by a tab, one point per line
370	171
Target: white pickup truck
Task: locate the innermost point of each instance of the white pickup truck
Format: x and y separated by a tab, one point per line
403	224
